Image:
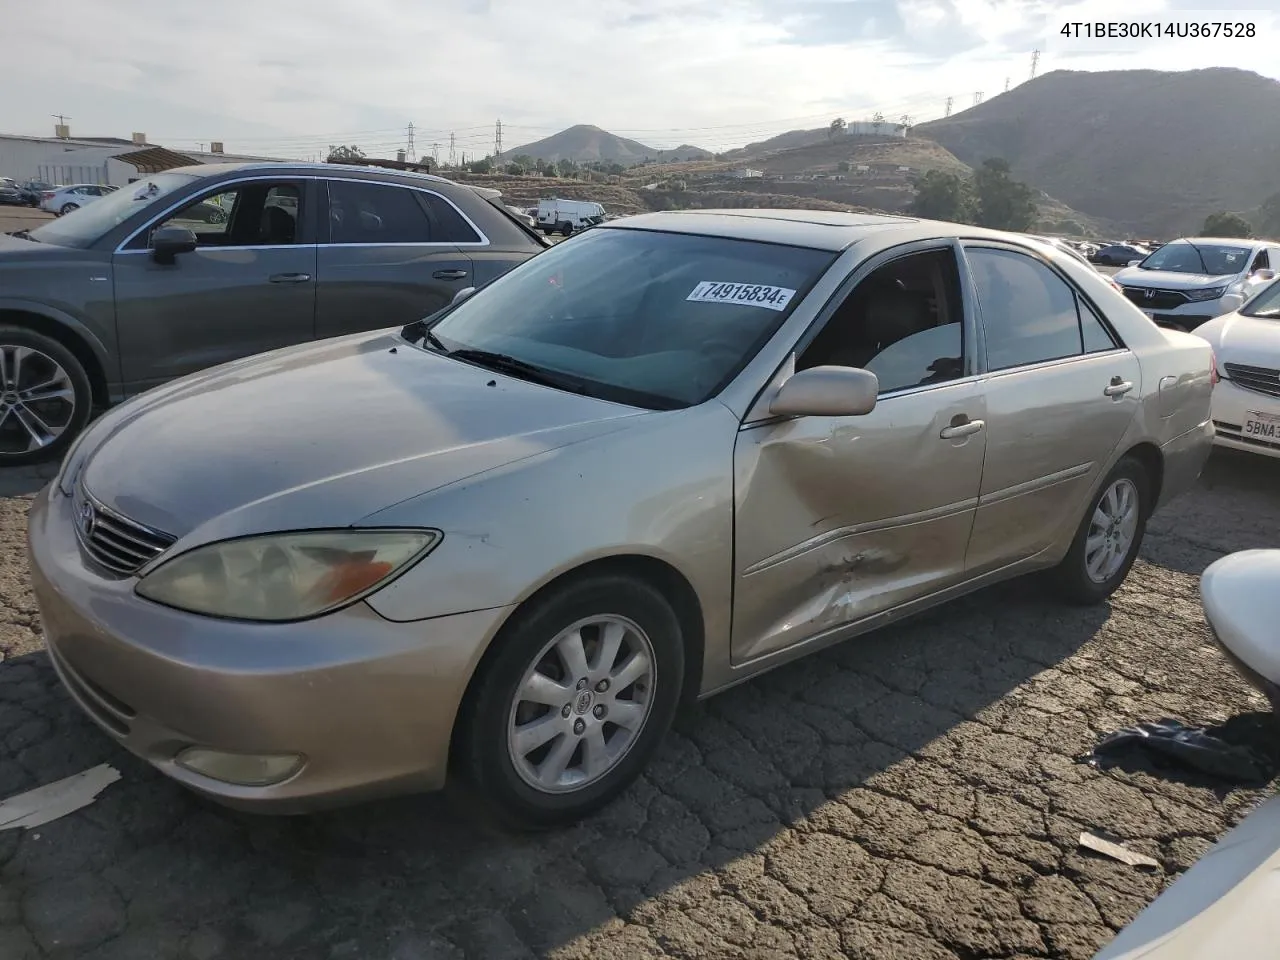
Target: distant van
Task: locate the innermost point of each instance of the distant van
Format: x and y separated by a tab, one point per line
566	216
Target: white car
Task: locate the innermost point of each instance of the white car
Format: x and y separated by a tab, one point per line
1190	281
1246	400
65	199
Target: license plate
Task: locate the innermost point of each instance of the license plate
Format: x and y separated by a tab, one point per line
1261	426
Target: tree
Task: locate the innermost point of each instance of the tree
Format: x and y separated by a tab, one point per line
1003	203
1224	224
340	152
482	166
943	196
838	127
843	166
566	167
1269	221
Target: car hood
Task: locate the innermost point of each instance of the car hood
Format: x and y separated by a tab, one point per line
322	435
1236	338
1167	280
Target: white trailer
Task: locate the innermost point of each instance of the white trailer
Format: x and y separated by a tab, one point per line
566	216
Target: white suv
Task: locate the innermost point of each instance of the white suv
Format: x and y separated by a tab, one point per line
1190	281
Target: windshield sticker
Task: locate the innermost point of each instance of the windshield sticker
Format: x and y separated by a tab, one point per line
745	294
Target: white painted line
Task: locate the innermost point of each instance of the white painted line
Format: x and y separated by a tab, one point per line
57	799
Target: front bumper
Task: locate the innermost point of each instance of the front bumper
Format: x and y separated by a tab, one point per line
369	704
1188	316
1231	404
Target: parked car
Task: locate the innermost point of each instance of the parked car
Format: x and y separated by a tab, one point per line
679	450
1246	401
10	193
1190	281
149	284
556	215
1118	254
64	200
33	191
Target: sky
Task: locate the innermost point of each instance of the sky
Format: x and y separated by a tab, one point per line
288	78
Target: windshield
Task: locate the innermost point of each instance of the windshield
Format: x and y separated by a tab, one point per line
658	320
1265	303
82	227
1185	257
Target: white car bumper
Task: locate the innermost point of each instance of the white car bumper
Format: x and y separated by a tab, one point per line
1246	419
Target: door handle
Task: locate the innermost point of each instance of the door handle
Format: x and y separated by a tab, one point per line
289	277
965	428
1117	387
450	274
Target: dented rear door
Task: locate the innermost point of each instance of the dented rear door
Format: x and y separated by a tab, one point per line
839	518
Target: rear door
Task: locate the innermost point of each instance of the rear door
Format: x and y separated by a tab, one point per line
248	287
1061	391
391	256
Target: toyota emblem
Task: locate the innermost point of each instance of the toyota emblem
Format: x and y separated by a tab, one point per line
86	518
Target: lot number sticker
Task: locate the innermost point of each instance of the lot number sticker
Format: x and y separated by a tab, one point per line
746	294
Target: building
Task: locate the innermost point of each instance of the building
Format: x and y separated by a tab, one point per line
871	128
748	173
106	160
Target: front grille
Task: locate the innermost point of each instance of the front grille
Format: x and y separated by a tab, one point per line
113	541
1158	299
1258	379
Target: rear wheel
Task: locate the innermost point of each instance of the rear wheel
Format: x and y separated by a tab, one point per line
567	229
45	397
67	208
577	694
1109	537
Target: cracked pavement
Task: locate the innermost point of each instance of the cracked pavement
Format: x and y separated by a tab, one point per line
912	794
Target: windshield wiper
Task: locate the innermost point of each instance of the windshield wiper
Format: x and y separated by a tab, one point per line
504	363
1202	260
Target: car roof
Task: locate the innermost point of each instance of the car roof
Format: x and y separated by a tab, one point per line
1229	241
304	168
830	230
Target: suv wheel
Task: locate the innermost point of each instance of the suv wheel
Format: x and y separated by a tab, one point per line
578	694
45	397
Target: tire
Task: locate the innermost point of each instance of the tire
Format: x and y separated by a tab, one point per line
67	208
498	774
58	421
1072	576
567	229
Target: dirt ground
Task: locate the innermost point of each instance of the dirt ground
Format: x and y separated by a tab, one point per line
913	794
22	218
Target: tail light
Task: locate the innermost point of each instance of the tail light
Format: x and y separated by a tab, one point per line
47	195
1213	368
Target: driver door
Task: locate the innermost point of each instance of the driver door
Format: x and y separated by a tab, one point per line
840	518
248	287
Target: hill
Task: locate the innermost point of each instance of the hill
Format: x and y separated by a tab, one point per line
1157	151
584	143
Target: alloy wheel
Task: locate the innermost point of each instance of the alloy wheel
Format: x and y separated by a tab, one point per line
1111	530
581	704
37	400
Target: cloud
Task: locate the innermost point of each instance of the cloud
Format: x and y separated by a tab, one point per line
291	80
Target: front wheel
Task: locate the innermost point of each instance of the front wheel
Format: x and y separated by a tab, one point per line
576	695
67	208
1109	537
45	397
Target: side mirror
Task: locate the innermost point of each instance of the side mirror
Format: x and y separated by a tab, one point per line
168	242
1264	274
827	392
1133	263
463	294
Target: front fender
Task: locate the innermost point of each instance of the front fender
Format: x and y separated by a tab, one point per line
64	319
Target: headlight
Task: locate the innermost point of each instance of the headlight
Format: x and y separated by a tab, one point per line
1213	293
286	576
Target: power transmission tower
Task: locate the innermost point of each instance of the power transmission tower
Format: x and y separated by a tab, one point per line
906	120
1035	62
977	98
950	100
408	149
452	153
497	140
435	154
1006	84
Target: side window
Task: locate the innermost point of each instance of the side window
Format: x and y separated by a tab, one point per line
259	214
1097	338
903	322
361	212
1028	311
1263	262
451	226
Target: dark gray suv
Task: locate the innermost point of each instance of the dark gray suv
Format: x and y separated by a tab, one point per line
199	266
